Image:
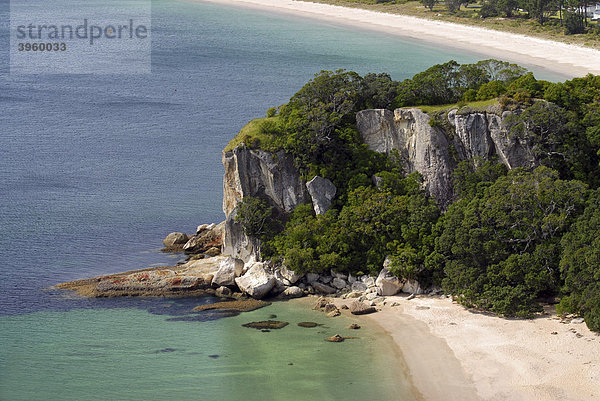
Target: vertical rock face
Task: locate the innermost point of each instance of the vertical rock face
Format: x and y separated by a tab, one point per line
433	152
472	135
271	176
422	148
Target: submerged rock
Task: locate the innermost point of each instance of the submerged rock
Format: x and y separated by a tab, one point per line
240	306
266	325
308	324
335	339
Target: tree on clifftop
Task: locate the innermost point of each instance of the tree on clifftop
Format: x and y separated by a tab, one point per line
429	4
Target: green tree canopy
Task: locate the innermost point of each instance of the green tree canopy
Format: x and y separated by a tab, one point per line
500	249
580	265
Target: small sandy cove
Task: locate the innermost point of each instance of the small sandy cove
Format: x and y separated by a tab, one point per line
567	60
455	354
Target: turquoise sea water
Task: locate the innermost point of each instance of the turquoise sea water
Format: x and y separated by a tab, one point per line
96	169
116	354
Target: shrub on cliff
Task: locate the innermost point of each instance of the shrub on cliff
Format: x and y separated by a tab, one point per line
373	223
256	218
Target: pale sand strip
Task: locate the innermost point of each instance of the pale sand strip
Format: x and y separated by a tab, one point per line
455	354
562	58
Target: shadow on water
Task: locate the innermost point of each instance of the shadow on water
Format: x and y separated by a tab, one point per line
174	309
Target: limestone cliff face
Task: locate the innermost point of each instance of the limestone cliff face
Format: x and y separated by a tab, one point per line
433	152
271	176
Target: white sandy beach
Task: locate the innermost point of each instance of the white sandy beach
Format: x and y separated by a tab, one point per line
454	354
562	58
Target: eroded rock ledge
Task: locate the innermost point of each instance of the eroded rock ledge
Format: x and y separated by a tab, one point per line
230	278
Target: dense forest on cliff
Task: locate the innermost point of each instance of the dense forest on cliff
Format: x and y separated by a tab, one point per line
510	238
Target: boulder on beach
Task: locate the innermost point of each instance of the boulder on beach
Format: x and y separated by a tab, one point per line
257	282
361	308
412	287
292	292
359	286
321	302
210	237
323	288
289	274
223	292
229	269
388	282
212	251
339	283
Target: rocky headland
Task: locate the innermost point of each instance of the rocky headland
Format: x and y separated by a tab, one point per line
450	352
225	262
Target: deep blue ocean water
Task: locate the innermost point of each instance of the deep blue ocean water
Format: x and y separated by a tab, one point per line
96	169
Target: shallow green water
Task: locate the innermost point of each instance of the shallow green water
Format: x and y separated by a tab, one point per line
130	354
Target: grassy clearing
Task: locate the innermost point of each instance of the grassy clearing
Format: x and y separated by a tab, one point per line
480	105
469	15
258	133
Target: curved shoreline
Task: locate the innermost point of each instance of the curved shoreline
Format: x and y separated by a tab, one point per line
456	354
557	57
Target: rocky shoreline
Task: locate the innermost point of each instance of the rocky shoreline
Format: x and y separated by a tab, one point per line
208	273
